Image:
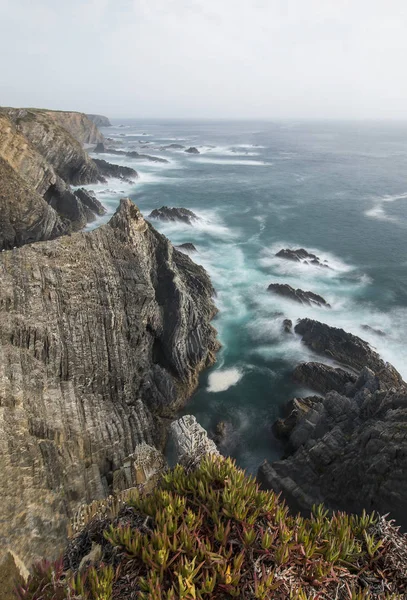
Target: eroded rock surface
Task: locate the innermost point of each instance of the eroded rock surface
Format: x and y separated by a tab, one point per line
323	378
170	213
191	441
102	336
297	295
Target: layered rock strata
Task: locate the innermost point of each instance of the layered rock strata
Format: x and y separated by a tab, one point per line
102	337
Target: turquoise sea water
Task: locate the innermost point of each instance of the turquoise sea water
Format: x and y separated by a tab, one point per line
337	189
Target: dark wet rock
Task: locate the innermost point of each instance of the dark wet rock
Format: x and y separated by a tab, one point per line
294	411
223	433
301	255
349	451
88	199
173	147
102	149
323	378
374	330
171	213
309	298
288	326
107	169
345	348
187	247
192	150
103	335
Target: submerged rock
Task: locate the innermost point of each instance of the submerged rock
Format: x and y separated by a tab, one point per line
301	255
285	290
102	338
192	150
101	149
173	147
170	213
323	378
187	247
374	330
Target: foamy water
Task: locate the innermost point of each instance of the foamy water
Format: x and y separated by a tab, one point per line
317	189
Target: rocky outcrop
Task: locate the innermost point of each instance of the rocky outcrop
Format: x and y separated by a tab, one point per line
301	255
192	150
323	378
286	291
37	203
117	171
173	147
79	125
295	410
99	120
187	247
345	348
168	213
25	216
350	451
88	199
101	149
191	441
102	337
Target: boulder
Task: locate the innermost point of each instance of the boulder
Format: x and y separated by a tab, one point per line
286	291
166	213
192	150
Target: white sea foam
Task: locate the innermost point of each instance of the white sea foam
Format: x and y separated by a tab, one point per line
377	211
227	162
223	379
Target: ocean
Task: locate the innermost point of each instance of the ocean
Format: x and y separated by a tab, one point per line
337	189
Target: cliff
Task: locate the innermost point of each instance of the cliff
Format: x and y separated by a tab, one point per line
37	201
102	337
347	449
100	120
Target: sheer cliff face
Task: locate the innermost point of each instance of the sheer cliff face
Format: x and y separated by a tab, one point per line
102	336
80	126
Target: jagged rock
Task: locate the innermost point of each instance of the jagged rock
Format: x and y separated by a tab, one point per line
102	338
373	330
88	198
187	247
173	147
345	348
309	298
192	150
166	213
109	170
146	463
323	378
301	255
295	410
100	120
288	326
191	441
13	573
350	452
101	148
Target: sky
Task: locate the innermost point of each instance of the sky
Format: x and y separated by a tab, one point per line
237	59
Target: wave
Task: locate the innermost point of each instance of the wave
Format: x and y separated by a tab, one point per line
208	224
223	379
377	211
227	162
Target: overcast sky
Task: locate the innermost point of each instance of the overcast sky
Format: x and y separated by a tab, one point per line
207	58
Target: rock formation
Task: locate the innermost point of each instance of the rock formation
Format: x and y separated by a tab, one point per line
166	213
101	149
192	150
118	171
102	337
187	247
99	120
323	378
191	441
301	255
286	291
39	160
